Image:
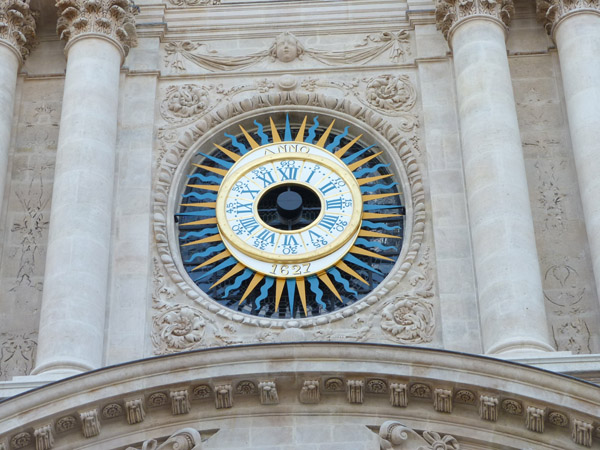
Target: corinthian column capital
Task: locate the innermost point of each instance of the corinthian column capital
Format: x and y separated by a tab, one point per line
551	12
112	19
17	26
449	13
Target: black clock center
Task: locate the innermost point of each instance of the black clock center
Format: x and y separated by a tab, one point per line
289	206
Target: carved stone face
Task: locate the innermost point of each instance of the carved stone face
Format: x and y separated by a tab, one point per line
287	48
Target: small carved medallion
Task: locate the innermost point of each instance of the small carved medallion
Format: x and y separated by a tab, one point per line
202	391
157	399
409	320
334	384
112	410
559	419
377	386
65	424
512	406
420	390
245	388
20	440
464	396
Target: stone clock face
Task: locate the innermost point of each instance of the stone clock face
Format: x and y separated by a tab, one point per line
296	225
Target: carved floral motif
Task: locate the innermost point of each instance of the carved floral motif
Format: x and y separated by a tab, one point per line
391	93
512	406
113	18
17	353
65	424
409	320
20	440
17	25
551	11
449	12
157	399
178	328
182	102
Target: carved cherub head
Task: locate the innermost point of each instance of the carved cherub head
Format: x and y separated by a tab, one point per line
286	48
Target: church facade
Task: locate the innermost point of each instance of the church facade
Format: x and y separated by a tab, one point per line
299	224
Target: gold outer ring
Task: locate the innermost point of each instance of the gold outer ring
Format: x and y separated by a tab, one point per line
233	176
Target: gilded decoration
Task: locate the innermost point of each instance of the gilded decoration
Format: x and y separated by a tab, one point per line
551	11
450	12
18	25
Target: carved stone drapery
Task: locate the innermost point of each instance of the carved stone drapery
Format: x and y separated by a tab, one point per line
110	18
450	12
17	25
550	12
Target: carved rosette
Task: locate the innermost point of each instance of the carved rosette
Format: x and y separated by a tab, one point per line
448	13
409	320
178	328
17	25
111	18
550	12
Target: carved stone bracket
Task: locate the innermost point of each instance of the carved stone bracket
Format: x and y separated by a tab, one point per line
135	411
180	402
18	25
488	407
268	393
44	438
442	400
449	13
90	423
310	392
223	396
396	436
355	391
110	18
185	439
581	432
398	395
534	419
550	12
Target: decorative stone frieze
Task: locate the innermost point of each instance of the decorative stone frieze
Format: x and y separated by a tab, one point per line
44	439
396	436
65	424
355	391
377	386
268	393
559	419
464	396
90	423
310	392
334	384
180	402
512	406
488	408
550	12
581	432
110	18
185	439
534	419
245	387
20	440
420	390
135	411
112	410
17	25
398	395
223	396
450	12
202	391
157	399
442	400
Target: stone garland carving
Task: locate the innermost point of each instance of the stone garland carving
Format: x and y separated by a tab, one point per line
185	439
286	48
171	156
44	438
18	25
112	18
17	353
551	11
396	436
449	12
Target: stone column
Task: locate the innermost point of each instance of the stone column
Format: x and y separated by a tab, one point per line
17	33
511	302
575	27
71	333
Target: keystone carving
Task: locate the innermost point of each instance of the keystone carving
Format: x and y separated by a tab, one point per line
355	391
310	392
448	13
135	411
398	395
396	436
223	396
534	421
17	25
581	432
442	400
488	408
551	11
112	18
44	440
180	402
268	393
185	439
90	423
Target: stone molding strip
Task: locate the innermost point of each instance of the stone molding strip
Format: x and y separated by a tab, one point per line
521	393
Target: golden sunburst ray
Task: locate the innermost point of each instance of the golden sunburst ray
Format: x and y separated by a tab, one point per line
203	205
302	292
323	139
349	270
224	254
300	135
367	198
255	280
208	187
209	221
368	215
325	279
357	164
279	283
237	268
376	234
214	238
274	132
346	147
249	138
229	153
221	172
362	251
362	181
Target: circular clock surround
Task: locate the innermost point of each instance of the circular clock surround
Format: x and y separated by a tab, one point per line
396	170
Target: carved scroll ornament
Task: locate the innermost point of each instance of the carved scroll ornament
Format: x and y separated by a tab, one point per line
396	436
185	439
450	12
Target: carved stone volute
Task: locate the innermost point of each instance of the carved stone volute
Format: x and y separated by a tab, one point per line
550	12
110	18
449	13
17	25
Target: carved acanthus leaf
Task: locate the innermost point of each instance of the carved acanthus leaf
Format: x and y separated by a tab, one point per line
450	12
18	25
177	329
112	18
551	11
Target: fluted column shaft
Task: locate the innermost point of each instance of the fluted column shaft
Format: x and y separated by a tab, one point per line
577	36
511	303
72	319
